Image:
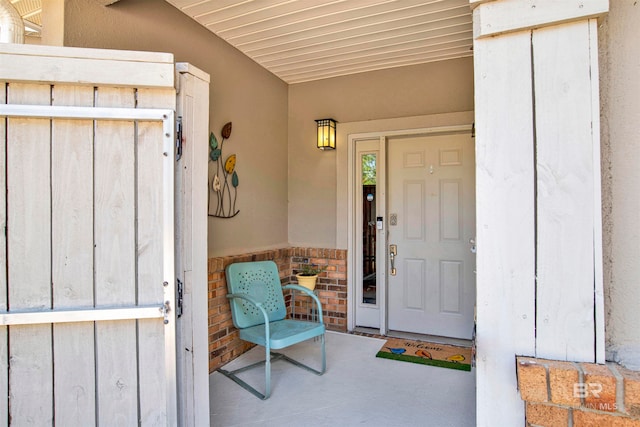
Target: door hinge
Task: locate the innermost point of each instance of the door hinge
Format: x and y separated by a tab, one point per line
178	138
179	297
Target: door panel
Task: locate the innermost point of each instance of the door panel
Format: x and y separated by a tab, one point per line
414	285
450	203
413	210
451	280
432	194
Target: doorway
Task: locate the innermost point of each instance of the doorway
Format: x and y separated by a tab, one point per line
414	231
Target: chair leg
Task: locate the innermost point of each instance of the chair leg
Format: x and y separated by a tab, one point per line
267	370
309	368
231	375
324	355
267	362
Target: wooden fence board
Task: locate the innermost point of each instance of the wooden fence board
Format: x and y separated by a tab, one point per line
91	67
565	180
191	245
149	170
3	204
505	222
115	254
29	257
597	195
184	252
4	377
4	359
149	161
72	258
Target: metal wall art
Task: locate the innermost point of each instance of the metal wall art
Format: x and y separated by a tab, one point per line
224	177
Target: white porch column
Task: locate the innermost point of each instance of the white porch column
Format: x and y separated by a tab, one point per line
539	281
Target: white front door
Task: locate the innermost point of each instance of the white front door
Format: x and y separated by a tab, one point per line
431	220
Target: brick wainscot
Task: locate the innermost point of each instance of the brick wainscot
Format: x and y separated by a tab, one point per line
570	394
331	288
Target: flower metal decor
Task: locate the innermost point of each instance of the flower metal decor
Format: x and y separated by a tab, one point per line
224	178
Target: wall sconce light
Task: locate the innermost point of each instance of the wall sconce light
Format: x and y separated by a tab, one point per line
326	134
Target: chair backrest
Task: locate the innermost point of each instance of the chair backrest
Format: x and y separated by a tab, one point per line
261	281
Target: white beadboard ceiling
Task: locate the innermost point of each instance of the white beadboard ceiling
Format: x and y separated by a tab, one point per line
305	40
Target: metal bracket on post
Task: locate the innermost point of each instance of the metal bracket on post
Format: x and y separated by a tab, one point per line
178	138
179	297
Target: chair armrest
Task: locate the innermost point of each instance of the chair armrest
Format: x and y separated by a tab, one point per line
258	304
311	294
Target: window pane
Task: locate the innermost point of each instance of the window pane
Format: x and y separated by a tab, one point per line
369	228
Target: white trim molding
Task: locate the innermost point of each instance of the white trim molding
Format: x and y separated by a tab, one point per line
493	17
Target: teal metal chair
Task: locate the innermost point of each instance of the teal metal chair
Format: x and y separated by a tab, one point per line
259	313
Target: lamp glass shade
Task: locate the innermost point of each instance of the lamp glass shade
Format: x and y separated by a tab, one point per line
326	134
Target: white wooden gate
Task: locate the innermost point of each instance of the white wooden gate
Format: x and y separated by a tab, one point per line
87	312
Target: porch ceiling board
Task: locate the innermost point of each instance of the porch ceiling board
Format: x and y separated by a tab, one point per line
305	40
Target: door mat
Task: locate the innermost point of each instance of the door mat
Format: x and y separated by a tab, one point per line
427	353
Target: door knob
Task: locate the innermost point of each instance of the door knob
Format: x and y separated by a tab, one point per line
473	248
393	252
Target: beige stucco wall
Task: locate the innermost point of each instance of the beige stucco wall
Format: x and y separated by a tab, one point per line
241	91
620	97
317	179
53	27
287	194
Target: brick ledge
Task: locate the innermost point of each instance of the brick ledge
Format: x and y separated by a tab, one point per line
571	394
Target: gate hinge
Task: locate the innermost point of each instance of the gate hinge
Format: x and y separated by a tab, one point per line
179	138
179	297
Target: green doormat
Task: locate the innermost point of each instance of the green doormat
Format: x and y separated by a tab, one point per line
427	353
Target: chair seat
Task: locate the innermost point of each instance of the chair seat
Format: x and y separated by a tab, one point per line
283	333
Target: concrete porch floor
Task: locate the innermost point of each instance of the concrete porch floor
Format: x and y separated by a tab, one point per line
357	389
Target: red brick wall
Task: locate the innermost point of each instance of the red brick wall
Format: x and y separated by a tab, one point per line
331	286
224	343
578	394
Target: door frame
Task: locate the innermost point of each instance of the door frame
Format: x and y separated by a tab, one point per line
353	231
374	144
